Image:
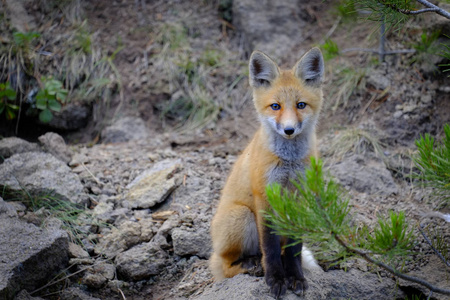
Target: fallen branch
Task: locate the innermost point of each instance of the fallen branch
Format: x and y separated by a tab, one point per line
378	51
391	270
430	8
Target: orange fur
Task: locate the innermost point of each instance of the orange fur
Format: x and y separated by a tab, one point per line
243	196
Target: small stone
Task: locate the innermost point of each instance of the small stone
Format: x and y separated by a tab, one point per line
54	144
398	114
154	185
196	242
76	251
141	261
13	145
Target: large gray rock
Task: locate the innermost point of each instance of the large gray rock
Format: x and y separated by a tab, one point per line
154	185
364	175
76	293
141	261
71	117
191	242
125	236
24	295
41	173
13	145
55	144
322	285
124	130
29	255
6	209
274	27
99	274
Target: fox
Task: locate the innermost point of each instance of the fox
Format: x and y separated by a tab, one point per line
288	103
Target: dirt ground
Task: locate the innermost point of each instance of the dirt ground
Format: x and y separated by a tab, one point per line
395	102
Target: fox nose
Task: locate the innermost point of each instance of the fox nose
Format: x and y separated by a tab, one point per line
289	130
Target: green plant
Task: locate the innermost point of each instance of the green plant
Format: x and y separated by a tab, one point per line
433	162
426	46
330	49
445	52
50	98
24	40
7	98
62	209
426	42
347	10
317	214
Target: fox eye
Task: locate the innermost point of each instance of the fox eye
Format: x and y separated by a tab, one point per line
301	105
275	106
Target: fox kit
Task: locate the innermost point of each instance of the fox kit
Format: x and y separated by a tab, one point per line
288	104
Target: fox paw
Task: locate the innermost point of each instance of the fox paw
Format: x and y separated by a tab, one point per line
277	285
253	265
297	285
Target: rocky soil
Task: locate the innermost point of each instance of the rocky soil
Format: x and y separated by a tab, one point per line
149	191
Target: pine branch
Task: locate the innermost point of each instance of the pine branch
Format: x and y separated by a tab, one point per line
439	10
391	270
430	8
378	51
432	247
316	213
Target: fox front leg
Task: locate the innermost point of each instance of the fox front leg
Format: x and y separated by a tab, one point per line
275	276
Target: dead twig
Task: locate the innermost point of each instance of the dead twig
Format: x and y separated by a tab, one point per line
391	270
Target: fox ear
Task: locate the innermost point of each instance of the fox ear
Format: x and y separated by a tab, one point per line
310	68
263	70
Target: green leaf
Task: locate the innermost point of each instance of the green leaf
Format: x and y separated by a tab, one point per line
11	94
62	95
54	105
41	95
10	113
53	86
41	103
2	106
45	116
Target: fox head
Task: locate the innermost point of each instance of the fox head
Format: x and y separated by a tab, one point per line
287	101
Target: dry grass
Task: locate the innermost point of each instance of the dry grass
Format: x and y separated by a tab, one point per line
64	49
345	80
204	80
355	140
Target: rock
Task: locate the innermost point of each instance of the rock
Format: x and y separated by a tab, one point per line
365	175
24	295
13	145
433	272
191	242
41	173
22	21
98	275
54	144
322	285
123	237
75	293
71	117
6	209
141	261
124	130
103	211
29	255
378	80
168	225
154	185
269	24
76	251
